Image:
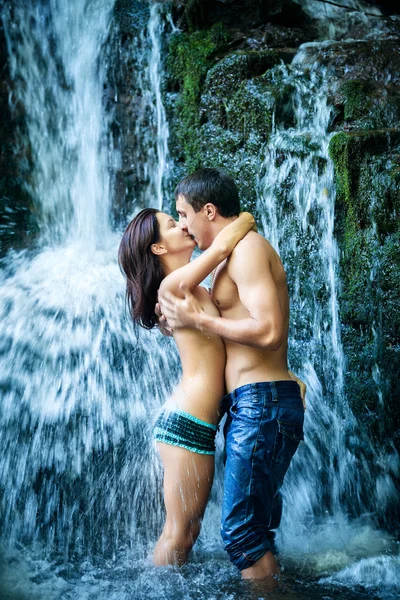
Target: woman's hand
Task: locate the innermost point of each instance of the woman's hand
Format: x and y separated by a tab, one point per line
252	220
302	386
163	325
232	233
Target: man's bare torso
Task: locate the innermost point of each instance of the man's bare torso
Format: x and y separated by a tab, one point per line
246	364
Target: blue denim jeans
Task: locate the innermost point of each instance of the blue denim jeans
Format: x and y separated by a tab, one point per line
262	432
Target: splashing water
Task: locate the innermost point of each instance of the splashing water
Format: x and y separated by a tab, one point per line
79	392
81	484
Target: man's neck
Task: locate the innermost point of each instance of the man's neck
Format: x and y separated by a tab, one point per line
220	222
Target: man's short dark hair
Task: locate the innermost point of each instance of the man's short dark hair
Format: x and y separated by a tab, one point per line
210	185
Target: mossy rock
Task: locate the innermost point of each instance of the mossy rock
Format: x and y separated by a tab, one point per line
368	234
347	151
370	60
356	101
251	109
370	105
224	79
132	16
190	58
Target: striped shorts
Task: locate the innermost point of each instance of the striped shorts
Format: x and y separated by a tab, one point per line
179	428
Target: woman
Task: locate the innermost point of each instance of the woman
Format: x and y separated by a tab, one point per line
155	252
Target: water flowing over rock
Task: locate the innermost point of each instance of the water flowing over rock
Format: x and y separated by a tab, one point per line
108	103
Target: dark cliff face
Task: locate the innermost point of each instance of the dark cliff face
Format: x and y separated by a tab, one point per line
17	222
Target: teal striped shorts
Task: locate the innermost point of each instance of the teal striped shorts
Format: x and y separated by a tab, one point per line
179	428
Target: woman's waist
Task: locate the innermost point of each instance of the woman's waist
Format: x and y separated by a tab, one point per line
201	379
207	366
198	401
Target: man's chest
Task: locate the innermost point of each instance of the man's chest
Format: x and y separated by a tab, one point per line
224	291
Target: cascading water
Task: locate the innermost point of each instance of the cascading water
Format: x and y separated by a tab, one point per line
78	474
78	391
151	129
60	77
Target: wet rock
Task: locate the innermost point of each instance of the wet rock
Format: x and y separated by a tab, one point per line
376	60
195	14
132	16
18	223
224	80
368	231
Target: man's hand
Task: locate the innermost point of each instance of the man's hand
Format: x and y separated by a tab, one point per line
163	324
302	386
180	312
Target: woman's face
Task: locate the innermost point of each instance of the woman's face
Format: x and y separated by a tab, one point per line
172	237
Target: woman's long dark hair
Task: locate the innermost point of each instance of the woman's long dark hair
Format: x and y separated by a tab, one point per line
142	268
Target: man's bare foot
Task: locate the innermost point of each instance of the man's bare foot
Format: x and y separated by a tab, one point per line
266	566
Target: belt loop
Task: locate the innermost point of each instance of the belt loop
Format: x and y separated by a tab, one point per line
274	392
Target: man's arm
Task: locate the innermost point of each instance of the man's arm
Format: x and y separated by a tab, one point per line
250	270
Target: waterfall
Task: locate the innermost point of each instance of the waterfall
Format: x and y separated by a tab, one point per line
79	391
80	483
151	129
155	32
59	81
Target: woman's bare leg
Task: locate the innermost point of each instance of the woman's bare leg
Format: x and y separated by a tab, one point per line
187	483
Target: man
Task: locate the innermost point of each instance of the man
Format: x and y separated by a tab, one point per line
264	407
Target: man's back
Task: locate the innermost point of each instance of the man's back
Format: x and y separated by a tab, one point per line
253	280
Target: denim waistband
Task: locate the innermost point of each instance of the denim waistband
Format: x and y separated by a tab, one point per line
273	390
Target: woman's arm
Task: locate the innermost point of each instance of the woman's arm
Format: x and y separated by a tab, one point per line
196	271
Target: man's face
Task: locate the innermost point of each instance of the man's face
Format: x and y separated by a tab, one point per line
196	224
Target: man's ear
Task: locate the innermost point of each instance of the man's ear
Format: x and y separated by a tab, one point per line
210	211
158	249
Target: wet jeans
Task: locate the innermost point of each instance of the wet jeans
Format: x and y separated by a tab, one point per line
262	432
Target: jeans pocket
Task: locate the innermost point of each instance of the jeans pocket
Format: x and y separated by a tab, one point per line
293	431
288	437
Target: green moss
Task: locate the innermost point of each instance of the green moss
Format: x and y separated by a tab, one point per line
250	109
368	231
348	152
356	101
370	105
345	155
190	57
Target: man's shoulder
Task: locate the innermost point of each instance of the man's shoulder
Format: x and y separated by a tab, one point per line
252	242
253	254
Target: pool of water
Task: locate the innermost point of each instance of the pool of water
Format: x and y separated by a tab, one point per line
129	575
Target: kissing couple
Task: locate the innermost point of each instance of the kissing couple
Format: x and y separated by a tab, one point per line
233	344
